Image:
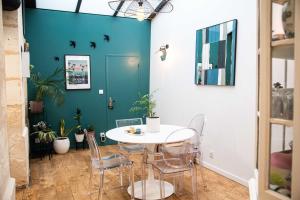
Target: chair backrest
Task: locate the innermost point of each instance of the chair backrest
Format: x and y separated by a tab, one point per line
178	154
197	123
94	151
128	122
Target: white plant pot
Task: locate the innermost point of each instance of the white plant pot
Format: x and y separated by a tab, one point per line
79	137
153	124
61	145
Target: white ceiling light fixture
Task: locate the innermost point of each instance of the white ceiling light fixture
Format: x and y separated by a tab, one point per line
140	9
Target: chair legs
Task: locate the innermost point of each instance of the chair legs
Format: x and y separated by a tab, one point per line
131	179
194	182
162	186
100	193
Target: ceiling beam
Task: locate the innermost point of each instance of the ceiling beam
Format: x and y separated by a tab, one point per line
30	3
78	6
119	8
158	8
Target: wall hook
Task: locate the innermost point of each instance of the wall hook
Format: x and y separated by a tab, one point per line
73	43
56	58
93	45
106	38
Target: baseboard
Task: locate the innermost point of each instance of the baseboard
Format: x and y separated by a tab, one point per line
226	174
10	191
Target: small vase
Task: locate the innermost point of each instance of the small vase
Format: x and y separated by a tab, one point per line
153	124
288	18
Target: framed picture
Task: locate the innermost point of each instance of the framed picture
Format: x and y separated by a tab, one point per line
77	72
216	54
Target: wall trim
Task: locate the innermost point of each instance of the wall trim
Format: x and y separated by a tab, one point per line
226	173
10	191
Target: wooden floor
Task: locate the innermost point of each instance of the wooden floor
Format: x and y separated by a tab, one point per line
66	177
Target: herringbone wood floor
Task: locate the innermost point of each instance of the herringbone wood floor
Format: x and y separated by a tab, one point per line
66	177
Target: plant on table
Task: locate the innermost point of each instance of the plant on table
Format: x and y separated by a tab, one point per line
50	86
79	135
146	105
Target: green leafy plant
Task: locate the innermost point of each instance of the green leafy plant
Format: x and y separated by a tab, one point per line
50	86
44	133
145	104
90	128
77	117
63	131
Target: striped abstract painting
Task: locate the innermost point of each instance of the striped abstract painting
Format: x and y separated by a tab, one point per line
215	54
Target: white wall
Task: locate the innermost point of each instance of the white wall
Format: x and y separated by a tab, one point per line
231	128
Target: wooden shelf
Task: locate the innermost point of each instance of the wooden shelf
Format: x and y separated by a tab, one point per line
284	42
283	49
279	1
284	122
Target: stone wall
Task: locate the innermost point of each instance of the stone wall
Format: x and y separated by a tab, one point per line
7	184
16	91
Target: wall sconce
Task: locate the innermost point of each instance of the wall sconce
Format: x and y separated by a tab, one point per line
163	51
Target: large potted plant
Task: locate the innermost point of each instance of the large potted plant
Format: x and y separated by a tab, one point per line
146	105
79	135
62	143
49	86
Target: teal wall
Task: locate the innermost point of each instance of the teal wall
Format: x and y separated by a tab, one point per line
49	32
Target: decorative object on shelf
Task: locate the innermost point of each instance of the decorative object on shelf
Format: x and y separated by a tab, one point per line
78	72
73	43
288	18
26	46
79	135
163	51
93	45
145	104
46	87
140	9
62	143
282	102
216	54
56	58
106	38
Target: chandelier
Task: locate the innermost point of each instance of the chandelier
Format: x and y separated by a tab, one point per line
140	9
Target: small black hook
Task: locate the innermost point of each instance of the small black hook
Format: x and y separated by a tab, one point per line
93	45
56	58
106	38
73	43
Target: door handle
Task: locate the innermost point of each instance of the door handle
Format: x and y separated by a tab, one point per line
110	103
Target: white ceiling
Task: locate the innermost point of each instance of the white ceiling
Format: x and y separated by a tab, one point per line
87	6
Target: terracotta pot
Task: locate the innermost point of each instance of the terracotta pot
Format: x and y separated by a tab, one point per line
91	133
36	106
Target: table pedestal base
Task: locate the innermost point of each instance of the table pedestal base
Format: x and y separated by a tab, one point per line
152	189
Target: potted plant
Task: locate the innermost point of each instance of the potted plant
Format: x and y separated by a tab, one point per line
91	130
62	143
79	135
146	105
50	86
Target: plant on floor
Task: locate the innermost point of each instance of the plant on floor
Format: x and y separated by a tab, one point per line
44	133
50	87
146	105
91	130
62	143
79	135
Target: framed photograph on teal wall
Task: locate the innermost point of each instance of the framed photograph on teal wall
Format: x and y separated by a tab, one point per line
216	54
77	72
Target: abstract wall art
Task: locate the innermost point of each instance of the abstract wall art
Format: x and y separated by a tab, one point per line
215	54
78	75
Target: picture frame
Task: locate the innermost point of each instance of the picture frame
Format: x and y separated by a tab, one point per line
77	72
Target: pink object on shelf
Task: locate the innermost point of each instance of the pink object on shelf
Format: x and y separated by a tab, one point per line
282	160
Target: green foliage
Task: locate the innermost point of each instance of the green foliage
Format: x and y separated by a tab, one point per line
90	128
77	117
145	104
50	86
277	179
63	131
45	136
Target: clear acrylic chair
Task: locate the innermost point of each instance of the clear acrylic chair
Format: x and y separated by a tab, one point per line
197	123
102	164
130	148
177	158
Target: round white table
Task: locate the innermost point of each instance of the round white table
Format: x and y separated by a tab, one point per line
150	139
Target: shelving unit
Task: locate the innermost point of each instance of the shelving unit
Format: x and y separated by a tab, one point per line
286	49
